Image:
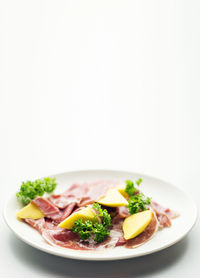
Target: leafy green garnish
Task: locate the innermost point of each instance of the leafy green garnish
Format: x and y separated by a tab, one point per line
138	203
103	215
30	190
100	232
98	226
83	228
130	188
138	181
49	184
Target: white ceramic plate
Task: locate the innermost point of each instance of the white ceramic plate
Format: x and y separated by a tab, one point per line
162	192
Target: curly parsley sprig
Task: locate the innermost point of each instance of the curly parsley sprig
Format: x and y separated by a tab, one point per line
137	201
98	226
103	215
130	188
31	189
83	228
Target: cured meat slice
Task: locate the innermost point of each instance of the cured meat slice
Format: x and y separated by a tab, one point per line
121	241
112	241
61	201
54	235
64	213
77	190
96	191
164	220
163	215
38	224
61	237
122	212
117	226
144	236
160	209
82	194
45	206
73	194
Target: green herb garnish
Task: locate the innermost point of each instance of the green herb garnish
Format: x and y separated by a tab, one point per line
137	201
30	190
83	228
100	232
138	182
103	215
98	226
130	188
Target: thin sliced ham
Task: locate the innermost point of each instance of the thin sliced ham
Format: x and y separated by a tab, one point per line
62	237
83	194
117	226
164	220
121	241
38	224
163	215
51	211
54	235
96	191
122	212
61	201
45	206
160	209
73	194
63	213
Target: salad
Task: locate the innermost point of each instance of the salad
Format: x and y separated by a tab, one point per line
94	215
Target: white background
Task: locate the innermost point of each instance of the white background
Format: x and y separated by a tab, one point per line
99	84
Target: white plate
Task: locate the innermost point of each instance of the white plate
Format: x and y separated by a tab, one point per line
162	192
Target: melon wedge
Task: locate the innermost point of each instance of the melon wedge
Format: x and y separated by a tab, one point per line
121	189
136	223
84	214
30	211
113	199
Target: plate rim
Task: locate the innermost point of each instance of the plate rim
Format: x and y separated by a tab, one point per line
122	257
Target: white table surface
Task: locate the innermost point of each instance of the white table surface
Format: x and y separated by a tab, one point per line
99	84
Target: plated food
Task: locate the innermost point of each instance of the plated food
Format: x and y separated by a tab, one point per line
166	194
94	215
